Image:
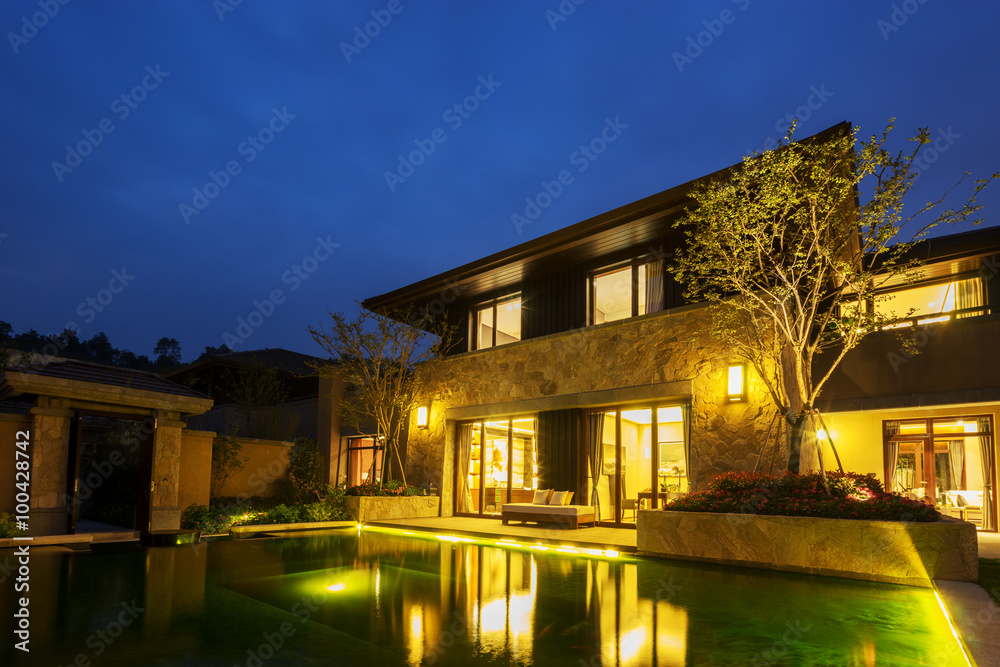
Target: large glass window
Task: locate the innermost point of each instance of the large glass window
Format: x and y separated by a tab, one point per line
364	460
497	322
639	461
626	291
947	462
937	302
497	464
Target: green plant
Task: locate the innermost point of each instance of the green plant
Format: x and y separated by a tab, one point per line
330	508
390	488
305	467
8	527
226	461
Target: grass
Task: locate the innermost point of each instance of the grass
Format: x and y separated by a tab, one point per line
989	577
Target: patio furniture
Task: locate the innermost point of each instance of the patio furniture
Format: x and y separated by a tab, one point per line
567	516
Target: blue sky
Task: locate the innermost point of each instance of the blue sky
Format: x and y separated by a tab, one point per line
182	163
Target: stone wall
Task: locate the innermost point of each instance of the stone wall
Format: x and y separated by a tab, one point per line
380	508
892	551
592	363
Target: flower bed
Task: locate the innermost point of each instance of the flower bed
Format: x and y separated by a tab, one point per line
787	522
853	496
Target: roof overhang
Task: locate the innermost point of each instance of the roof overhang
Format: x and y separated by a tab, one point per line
15	383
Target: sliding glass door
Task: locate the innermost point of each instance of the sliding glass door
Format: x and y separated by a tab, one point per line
634	460
948	462
496	463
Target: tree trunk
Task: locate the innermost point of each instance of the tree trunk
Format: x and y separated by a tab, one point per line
796	434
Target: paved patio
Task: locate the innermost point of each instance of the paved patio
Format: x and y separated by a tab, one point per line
618	539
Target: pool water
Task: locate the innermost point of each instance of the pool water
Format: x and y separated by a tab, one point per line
379	597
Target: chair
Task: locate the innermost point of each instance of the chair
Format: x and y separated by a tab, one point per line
628	503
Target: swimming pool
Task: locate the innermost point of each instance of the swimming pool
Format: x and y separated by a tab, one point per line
382	597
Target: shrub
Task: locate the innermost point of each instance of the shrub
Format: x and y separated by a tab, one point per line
305	467
330	508
8	527
390	488
853	496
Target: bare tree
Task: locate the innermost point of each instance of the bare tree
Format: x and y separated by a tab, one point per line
791	247
375	354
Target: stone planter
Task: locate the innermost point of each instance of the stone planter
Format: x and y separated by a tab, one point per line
891	551
380	508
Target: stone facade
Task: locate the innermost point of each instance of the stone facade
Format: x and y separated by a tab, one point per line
892	551
165	512
50	430
661	356
381	508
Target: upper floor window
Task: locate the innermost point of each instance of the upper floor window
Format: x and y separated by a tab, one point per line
626	291
937	302
497	322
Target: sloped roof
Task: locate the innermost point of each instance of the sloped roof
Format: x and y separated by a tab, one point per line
84	371
639	222
294	363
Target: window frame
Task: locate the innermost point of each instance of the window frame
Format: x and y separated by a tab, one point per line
474	342
634	263
950	315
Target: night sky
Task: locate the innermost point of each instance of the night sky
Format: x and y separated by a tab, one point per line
191	158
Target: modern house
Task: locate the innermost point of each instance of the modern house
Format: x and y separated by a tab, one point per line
579	367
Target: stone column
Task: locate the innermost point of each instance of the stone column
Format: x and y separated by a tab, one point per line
50	425
164	511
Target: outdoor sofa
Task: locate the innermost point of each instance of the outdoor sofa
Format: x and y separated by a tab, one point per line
541	511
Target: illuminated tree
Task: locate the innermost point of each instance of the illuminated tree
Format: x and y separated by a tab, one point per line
375	354
790	248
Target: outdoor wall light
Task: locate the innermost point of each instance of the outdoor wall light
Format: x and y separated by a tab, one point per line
737	386
422	416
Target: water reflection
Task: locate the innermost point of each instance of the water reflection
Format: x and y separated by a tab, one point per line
358	598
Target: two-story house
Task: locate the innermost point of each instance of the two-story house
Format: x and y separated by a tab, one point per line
579	367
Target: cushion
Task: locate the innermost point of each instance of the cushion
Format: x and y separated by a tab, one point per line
541	497
558	498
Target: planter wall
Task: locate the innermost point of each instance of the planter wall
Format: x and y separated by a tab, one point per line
380	508
891	551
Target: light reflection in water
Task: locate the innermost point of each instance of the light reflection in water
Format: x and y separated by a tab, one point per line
410	600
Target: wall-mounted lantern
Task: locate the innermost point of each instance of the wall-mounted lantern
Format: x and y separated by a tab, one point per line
737	384
422	416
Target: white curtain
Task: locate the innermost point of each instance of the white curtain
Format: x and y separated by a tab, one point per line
956	459
989	470
891	455
654	286
686	424
464	451
968	294
596	458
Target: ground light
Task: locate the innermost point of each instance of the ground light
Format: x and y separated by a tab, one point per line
951	626
506	543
